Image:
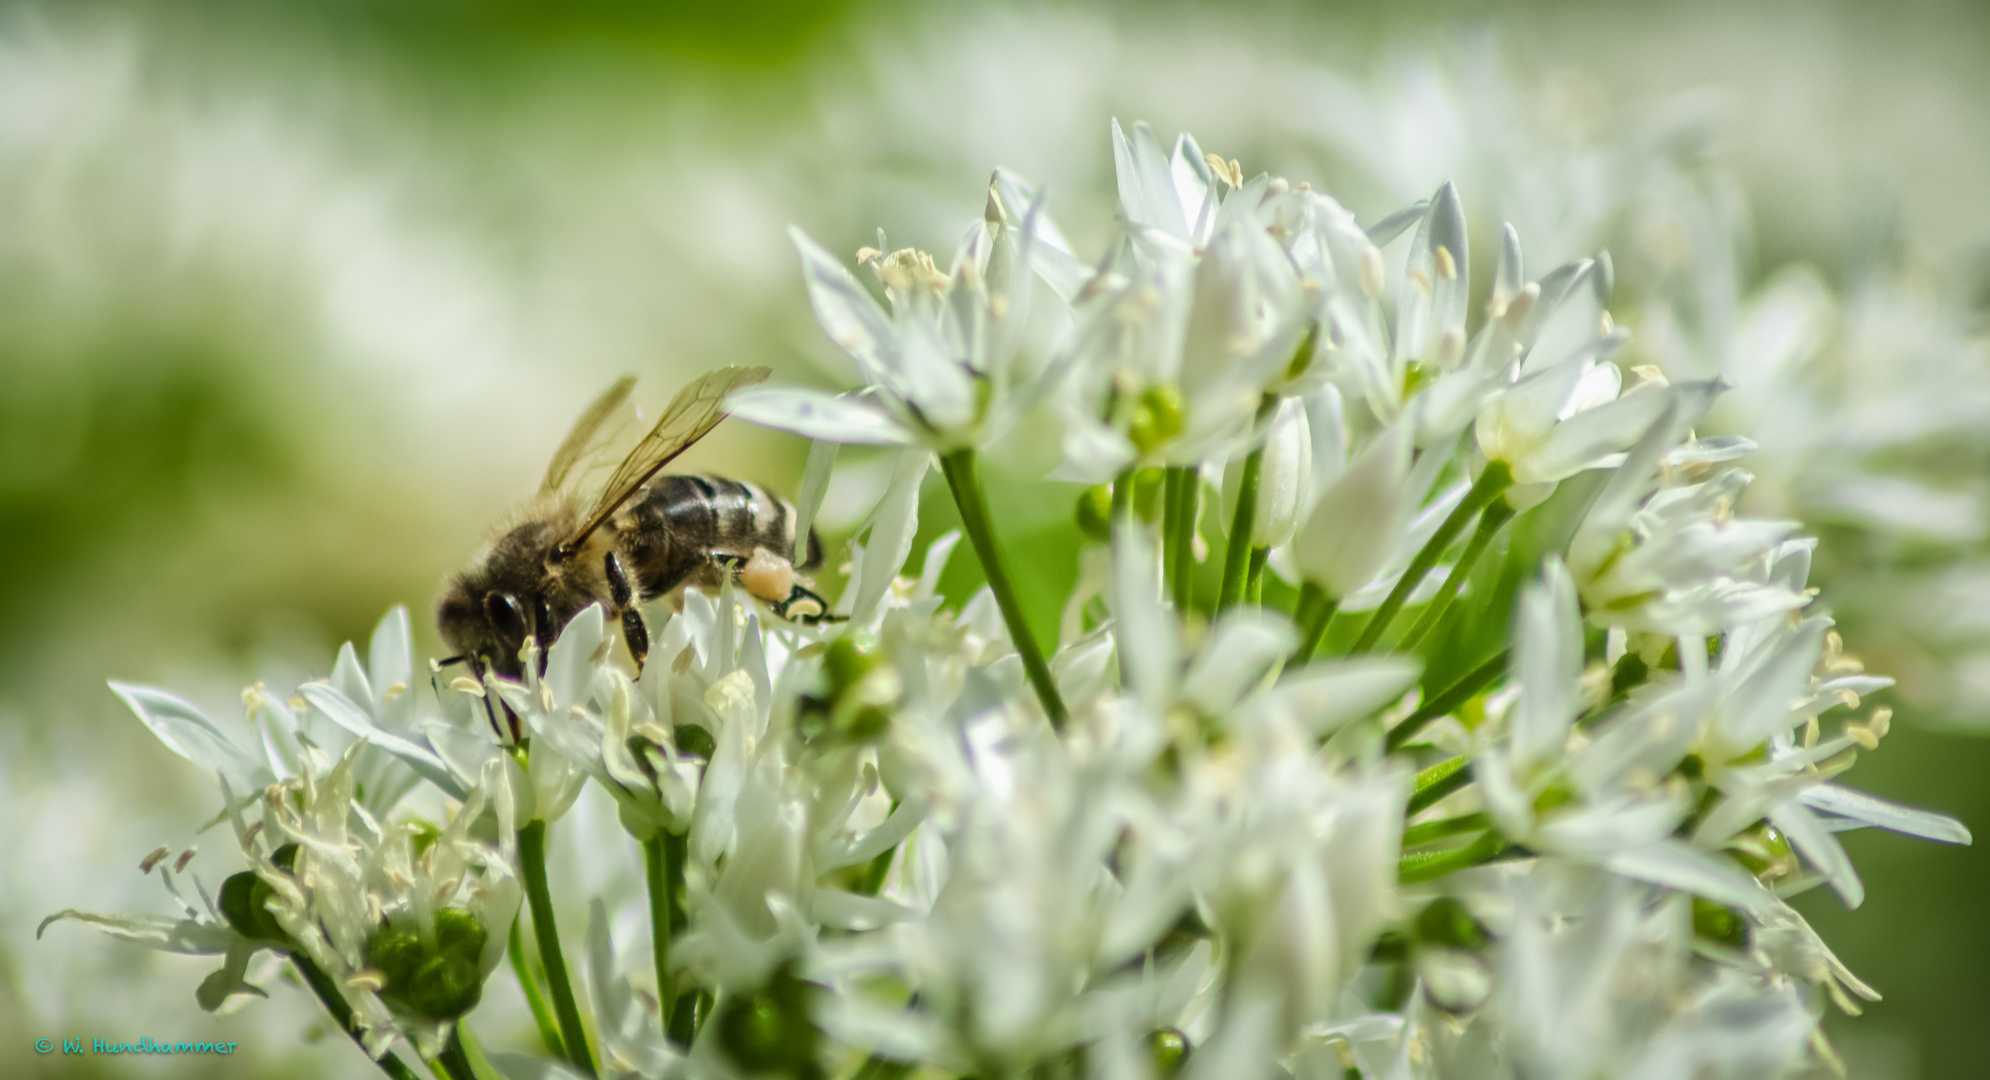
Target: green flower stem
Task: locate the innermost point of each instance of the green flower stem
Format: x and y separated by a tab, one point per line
1316	611
532	866
1171	512
1122	500
1432	831
1190	493
1496	515
453	1062
877	1068
542	1014
686	1021
874	874
1490	485
962	476
1254	579
322	985
1453	696
473	1053
1428	866
1436	782
1237	556
663	870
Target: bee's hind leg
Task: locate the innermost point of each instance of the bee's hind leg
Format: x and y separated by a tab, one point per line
802	594
623	592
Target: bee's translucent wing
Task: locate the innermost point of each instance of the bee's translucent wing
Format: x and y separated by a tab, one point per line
695	411
587	438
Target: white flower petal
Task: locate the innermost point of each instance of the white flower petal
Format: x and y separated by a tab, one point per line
827	418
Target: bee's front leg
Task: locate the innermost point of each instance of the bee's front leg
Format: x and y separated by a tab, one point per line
623	592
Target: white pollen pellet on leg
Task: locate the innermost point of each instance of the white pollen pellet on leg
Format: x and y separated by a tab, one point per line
768	576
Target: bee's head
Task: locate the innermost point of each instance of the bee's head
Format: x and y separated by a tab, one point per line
487	627
489	611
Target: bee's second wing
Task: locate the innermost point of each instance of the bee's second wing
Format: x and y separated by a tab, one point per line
587	438
696	410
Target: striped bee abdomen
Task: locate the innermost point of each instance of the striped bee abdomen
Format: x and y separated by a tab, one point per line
672	533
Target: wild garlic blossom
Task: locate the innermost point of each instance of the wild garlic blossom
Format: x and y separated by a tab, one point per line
1500	699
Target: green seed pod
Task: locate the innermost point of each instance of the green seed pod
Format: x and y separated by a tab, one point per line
770	1031
1095	513
460	933
1719	924
1158	417
1448	922
695	741
245	904
1168	1049
397	952
444	987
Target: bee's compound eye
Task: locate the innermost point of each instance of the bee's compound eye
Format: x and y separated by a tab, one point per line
506	617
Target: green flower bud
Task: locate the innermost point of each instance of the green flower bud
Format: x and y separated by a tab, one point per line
695	741
1168	1049
1719	924
444	987
846	665
770	1030
1763	850
1095	513
245	904
1448	922
460	933
397	953
1158	417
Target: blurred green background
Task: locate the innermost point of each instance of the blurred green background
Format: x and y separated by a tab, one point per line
296	298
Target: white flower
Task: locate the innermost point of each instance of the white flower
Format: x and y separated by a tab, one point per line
941	368
1285	477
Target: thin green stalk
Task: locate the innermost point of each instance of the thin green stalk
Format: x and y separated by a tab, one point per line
874	874
1490	485
453	1062
542	1014
1237	556
1429	832
322	985
877	1068
663	872
1497	514
1185	526
1428	866
1122	499
1436	782
1171	512
1254	578
1316	611
480	1066
532	866
962	476
1453	696
684	1024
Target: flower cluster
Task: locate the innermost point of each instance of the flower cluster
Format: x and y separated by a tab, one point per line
1428	709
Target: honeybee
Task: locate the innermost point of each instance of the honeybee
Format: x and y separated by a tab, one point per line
638	538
